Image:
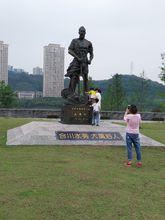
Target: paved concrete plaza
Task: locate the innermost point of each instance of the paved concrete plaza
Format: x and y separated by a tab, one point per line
43	133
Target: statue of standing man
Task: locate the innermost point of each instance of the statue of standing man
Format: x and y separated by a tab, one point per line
82	51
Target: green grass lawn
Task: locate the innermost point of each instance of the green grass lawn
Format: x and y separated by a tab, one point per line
78	183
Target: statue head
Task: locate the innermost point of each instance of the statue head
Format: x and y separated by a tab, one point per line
82	32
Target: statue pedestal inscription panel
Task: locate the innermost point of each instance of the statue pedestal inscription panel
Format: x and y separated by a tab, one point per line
88	136
71	114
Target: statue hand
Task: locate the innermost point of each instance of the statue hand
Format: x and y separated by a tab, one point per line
89	62
80	59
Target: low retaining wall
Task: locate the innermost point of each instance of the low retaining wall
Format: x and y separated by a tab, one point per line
30	113
50	113
147	116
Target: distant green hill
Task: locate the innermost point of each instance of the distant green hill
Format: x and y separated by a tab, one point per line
154	91
25	82
130	82
153	94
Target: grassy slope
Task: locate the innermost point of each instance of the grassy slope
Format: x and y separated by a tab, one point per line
154	130
78	182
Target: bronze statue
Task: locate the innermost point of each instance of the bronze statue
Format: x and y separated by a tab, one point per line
82	51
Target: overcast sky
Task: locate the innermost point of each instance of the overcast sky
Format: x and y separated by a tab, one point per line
121	31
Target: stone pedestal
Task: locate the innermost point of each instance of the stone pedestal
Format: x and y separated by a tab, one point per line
76	114
53	133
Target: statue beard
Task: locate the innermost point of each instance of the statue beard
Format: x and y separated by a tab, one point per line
82	36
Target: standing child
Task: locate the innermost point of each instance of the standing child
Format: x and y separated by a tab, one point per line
133	120
96	112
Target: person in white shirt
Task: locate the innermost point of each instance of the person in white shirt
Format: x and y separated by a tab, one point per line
98	96
96	113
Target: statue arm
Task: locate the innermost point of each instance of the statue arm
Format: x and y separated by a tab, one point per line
71	50
72	53
91	55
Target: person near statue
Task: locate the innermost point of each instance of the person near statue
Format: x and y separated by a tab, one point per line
82	51
96	112
98	95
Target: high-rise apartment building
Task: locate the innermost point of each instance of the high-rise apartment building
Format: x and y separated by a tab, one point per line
37	71
53	70
3	62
